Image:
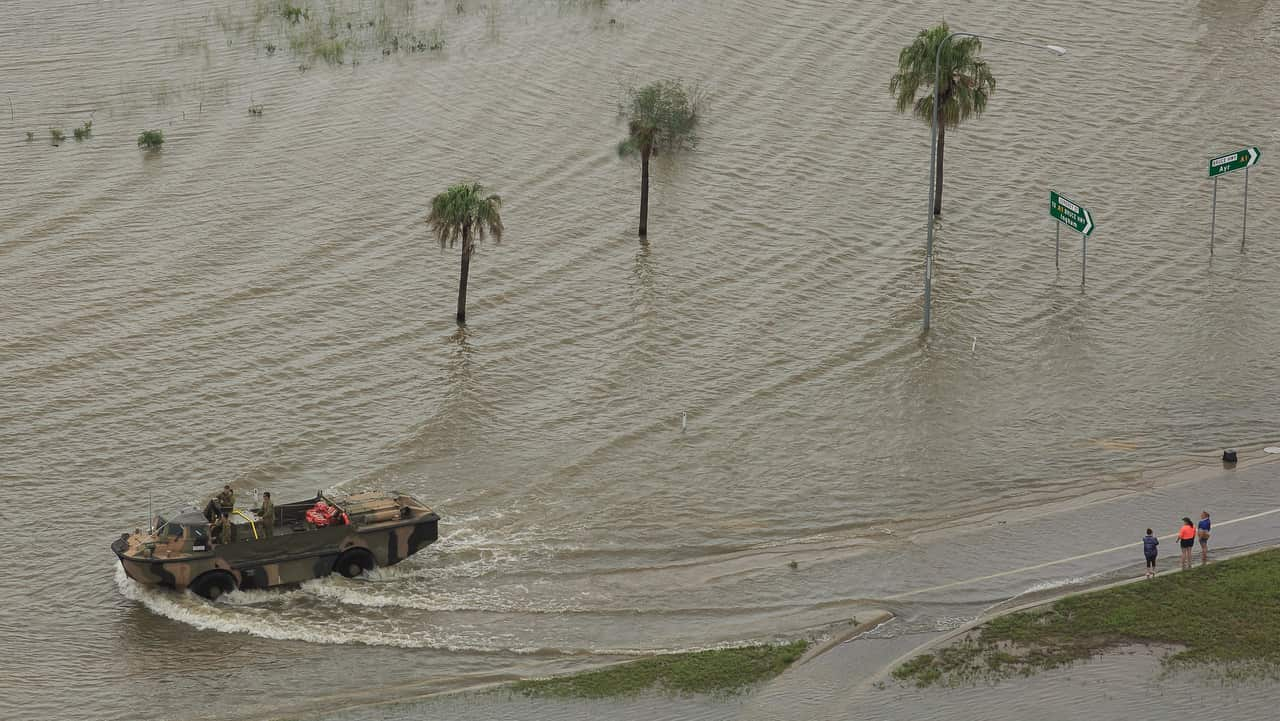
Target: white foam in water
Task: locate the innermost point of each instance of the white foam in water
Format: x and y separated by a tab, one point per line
264	623
252	598
1051	585
185	608
947	623
489	600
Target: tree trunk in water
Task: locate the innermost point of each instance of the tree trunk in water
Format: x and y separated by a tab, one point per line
462	283
937	192
644	191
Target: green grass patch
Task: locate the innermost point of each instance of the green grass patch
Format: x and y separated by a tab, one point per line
1227	614
719	671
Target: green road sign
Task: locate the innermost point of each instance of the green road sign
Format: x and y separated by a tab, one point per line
1238	160
1070	214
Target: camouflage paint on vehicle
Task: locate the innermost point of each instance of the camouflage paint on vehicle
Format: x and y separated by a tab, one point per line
383	530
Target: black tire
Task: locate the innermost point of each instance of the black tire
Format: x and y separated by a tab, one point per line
354	562
213	585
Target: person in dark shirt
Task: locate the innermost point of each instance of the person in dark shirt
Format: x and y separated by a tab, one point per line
1202	531
1150	549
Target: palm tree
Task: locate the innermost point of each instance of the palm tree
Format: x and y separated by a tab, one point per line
966	84
661	116
464	213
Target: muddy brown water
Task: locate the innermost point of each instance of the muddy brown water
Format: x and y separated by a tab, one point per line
260	303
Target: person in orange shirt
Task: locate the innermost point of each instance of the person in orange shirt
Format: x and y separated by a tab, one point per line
1187	540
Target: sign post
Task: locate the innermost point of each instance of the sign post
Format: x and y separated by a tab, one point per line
1075	217
1213	216
1239	160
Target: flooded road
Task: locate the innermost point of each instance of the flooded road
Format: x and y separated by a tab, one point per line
260	303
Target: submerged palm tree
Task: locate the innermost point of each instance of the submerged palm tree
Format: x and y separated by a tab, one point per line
661	116
966	84
465	214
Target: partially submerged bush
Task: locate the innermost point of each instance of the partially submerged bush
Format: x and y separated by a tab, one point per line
151	139
293	13
56	136
330	50
435	38
433	41
84	131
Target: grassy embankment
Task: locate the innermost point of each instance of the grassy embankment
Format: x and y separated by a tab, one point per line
1227	614
726	670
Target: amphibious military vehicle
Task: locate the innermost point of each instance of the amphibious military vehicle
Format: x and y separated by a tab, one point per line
364	530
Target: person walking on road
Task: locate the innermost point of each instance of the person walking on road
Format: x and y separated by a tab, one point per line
1202	531
1187	540
1150	548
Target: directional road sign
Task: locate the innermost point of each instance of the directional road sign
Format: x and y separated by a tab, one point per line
1070	214
1238	160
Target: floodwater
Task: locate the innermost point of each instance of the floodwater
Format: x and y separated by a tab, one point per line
260	303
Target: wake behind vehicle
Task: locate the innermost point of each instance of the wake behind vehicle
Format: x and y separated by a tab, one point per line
368	530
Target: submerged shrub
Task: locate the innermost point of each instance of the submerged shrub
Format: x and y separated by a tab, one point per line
435	39
151	139
331	50
293	13
56	136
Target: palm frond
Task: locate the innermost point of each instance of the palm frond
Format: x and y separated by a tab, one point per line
464	213
966	82
661	116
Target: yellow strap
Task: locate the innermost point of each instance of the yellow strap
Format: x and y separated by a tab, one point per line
252	526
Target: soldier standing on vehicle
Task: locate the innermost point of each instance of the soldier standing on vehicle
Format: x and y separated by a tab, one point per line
227	499
221	529
268	515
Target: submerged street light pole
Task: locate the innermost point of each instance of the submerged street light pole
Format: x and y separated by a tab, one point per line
933	150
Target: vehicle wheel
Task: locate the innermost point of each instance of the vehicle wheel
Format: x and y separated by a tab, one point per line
214	584
354	562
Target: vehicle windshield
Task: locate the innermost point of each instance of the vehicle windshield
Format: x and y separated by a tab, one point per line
169	531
